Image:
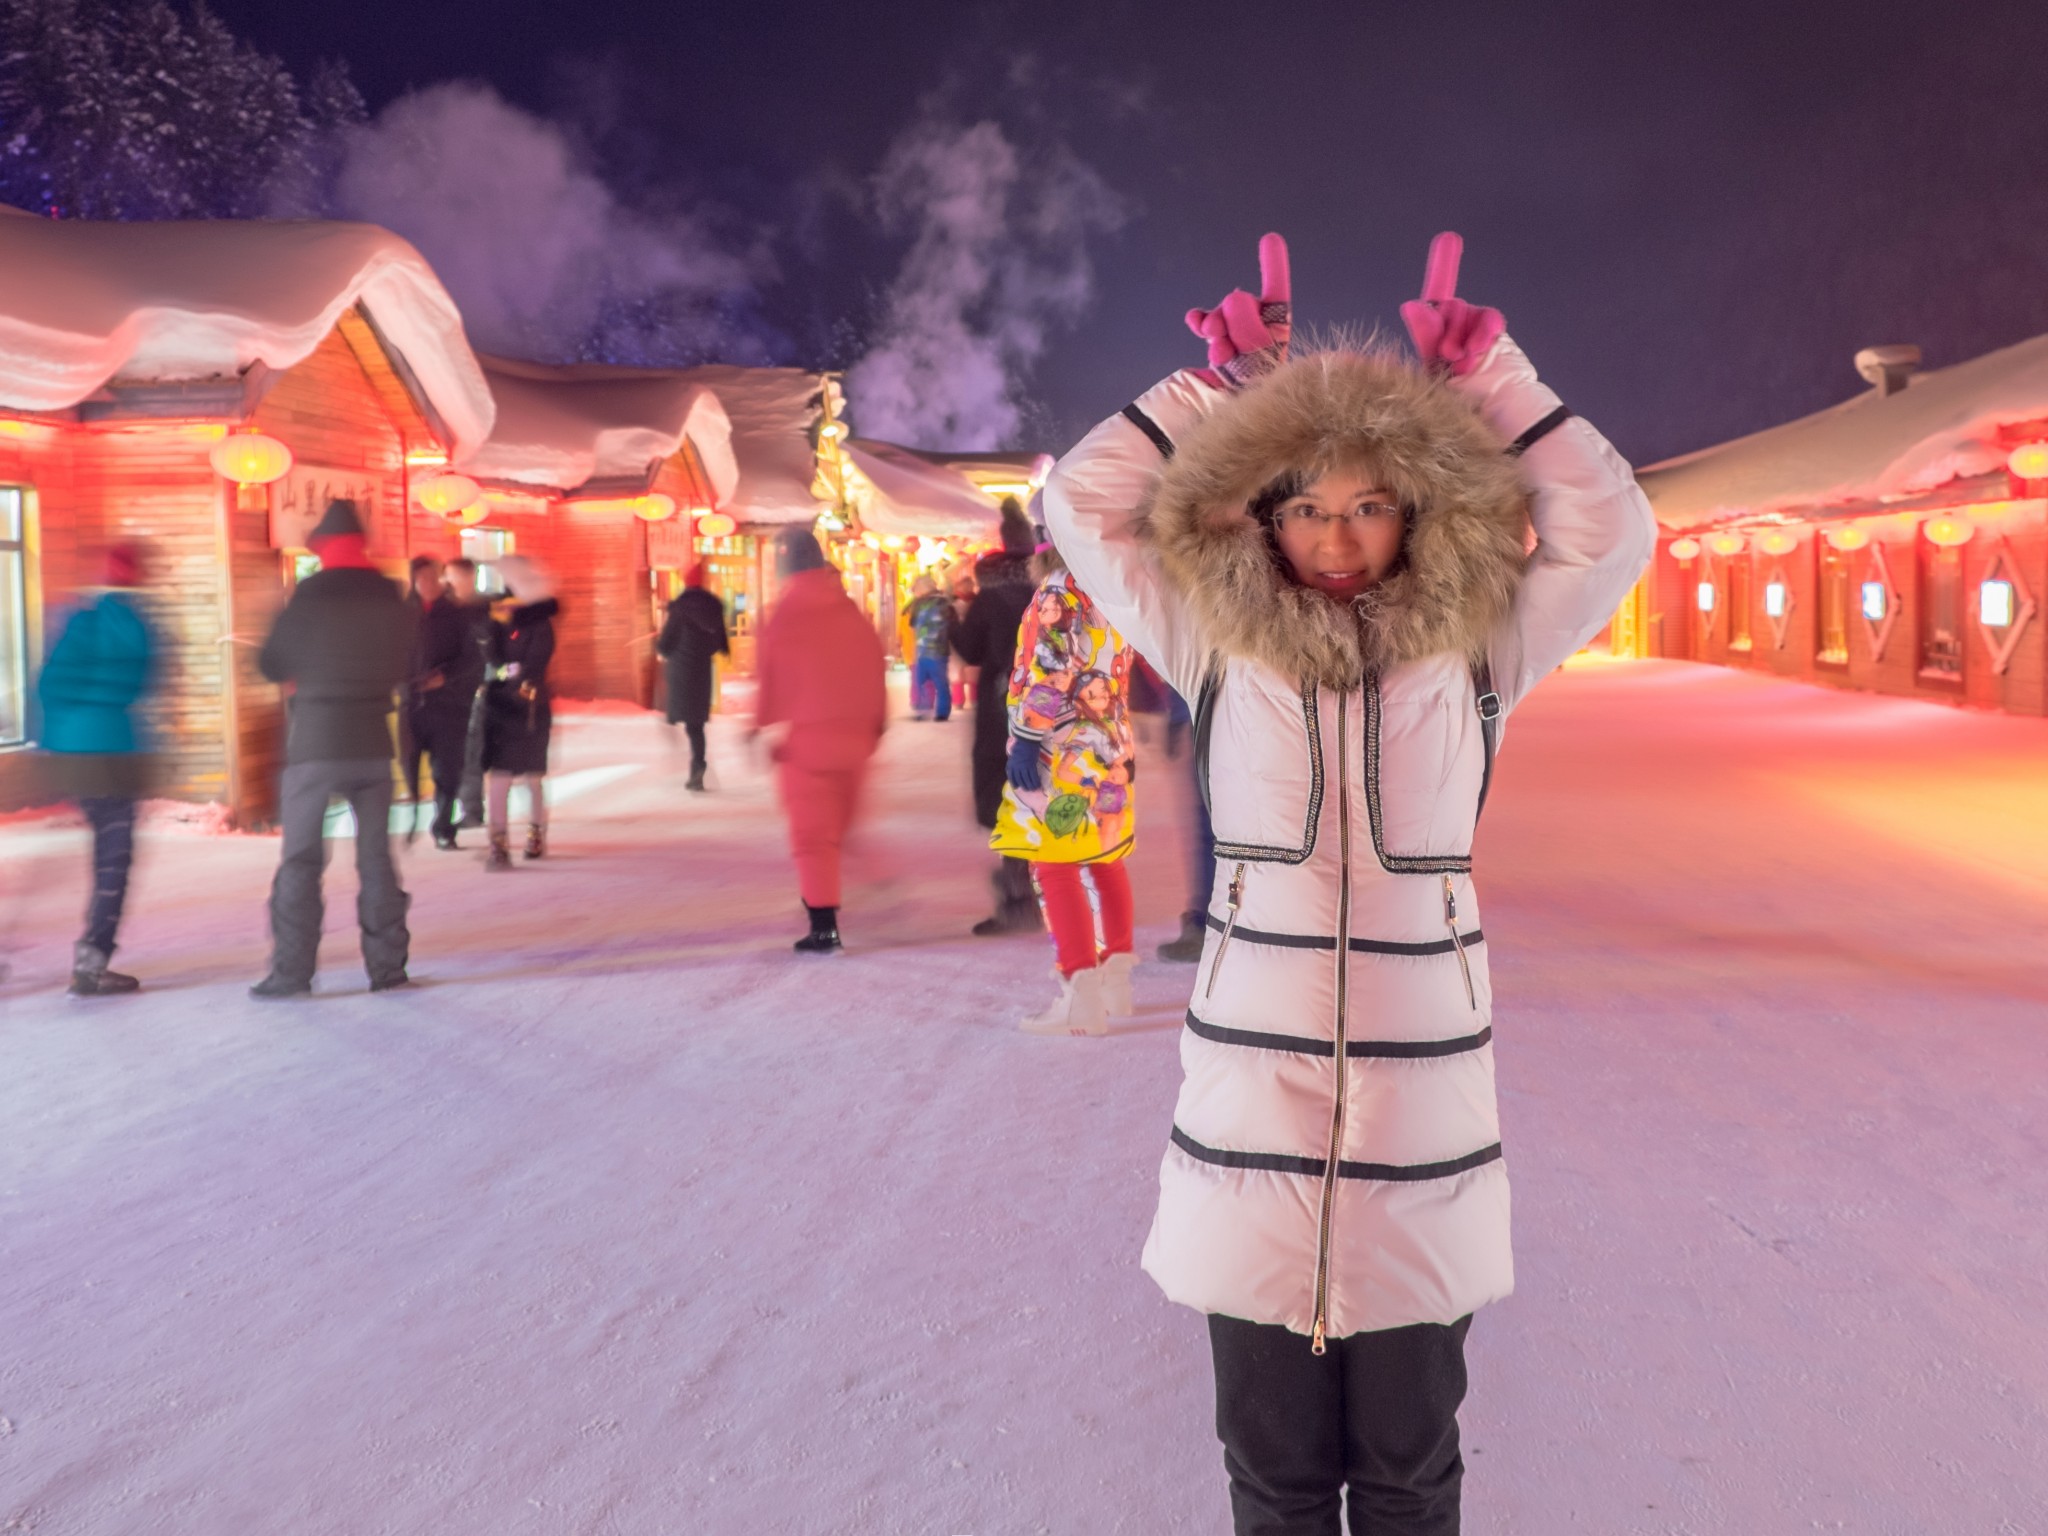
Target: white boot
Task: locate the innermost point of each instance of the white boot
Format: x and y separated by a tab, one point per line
1076	1011
1116	985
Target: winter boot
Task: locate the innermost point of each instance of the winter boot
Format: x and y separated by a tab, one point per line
1194	930
1016	903
1076	1011
500	856
536	842
823	939
695	782
90	976
1116	984
275	986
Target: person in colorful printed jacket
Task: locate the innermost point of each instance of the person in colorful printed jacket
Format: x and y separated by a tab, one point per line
1333	556
1068	802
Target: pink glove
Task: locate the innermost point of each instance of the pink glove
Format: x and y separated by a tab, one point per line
1248	337
1449	333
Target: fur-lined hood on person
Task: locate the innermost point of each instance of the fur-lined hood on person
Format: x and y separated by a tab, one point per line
1462	555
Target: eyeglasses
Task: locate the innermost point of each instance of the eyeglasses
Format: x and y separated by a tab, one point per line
1314	517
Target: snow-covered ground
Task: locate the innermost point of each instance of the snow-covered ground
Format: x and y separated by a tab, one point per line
629	1221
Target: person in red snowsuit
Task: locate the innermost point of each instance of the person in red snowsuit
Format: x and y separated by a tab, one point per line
820	673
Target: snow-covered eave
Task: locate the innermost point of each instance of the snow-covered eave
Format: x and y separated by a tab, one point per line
91	307
1949	427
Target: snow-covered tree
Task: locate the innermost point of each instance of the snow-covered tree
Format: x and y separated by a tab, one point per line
134	109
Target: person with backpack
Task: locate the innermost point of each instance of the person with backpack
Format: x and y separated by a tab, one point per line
1357	564
930	619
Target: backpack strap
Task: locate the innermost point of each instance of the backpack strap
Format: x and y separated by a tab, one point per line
1490	710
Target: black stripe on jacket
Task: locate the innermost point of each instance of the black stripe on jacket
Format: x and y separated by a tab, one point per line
1356	946
1308	1045
1316	1167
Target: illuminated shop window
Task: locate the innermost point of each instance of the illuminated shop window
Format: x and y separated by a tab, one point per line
1705	597
1941	610
487	546
1739	575
1874	601
1834	605
14	636
1995	605
1774	600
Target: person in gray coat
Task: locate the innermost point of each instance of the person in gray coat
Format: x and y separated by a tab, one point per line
341	645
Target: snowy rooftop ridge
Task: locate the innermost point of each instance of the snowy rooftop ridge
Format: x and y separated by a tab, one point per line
1944	426
85	303
902	491
564	427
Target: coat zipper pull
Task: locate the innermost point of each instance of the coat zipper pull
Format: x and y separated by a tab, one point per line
1229	927
1458	942
1315	1341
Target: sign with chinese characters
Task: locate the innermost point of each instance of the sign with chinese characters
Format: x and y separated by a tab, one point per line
669	547
299	501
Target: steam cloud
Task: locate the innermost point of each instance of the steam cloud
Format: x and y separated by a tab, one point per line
999	257
540	254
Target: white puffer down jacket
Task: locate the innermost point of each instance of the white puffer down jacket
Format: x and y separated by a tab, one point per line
1335	1162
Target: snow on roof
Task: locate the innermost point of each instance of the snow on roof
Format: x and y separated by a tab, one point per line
563	427
1941	427
85	303
898	490
775	414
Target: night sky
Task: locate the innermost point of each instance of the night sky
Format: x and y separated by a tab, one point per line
1691	215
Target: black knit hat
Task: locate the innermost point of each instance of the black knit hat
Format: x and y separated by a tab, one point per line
1019	537
339	522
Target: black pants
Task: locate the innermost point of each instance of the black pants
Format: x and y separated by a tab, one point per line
296	906
694	729
1377	1414
444	736
112	821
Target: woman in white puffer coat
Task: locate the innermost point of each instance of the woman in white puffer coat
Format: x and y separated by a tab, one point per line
1334	555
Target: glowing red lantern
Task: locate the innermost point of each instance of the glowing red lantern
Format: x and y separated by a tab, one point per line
715	525
1847	537
448	495
1949	532
2029	461
251	460
1777	541
1685	549
1726	544
655	507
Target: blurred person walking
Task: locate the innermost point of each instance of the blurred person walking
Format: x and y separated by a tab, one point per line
986	639
341	645
930	618
692	639
1068	803
423	578
519	709
96	674
460	577
820	669
447	670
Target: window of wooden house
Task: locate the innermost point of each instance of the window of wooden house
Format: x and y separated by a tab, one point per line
14	633
487	546
1740	569
1834	606
1941	611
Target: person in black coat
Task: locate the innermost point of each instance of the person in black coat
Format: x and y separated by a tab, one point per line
691	636
986	638
447	670
341	645
518	715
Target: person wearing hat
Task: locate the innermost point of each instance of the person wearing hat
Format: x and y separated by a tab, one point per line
986	639
341	646
96	674
518	713
692	638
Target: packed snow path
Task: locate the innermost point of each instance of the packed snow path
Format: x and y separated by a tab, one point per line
630	1221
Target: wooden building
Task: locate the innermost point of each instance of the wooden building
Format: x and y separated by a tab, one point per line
128	354
1896	543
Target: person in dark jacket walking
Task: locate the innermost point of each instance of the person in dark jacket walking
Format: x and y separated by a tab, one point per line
447	669
95	675
518	709
692	637
424	576
986	639
341	645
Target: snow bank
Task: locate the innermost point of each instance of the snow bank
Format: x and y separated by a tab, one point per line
1941	427
562	427
86	303
898	491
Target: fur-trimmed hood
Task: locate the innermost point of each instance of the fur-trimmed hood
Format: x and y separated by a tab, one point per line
1465	545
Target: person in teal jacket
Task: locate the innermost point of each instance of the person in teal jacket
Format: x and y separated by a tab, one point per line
96	673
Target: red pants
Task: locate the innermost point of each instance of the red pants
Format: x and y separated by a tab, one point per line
820	804
1073	924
